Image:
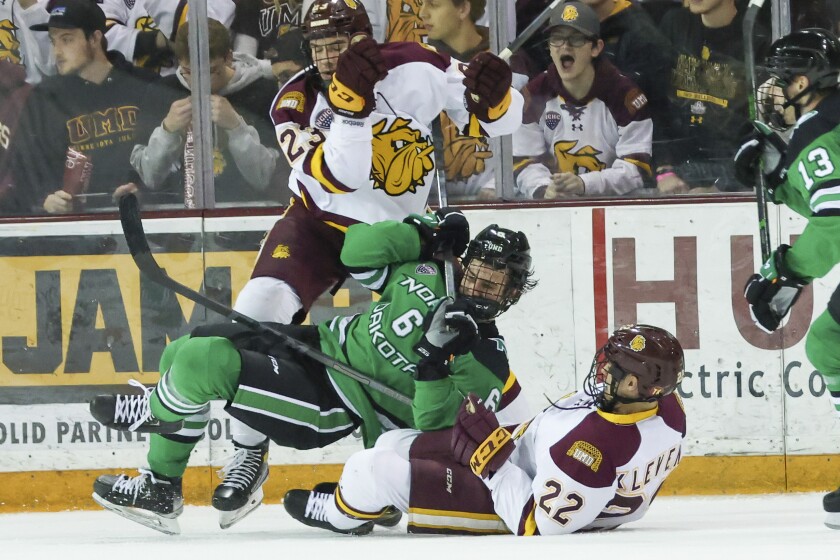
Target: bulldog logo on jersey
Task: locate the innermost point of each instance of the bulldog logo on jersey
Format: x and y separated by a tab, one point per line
585	159
401	157
9	45
281	252
404	23
638	343
464	156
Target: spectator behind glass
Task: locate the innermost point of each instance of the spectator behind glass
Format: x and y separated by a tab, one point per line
91	106
19	44
243	165
638	49
144	30
270	30
816	13
452	29
583	120
13	94
708	97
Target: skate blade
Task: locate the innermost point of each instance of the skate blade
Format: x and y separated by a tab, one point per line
832	520
168	526
229	518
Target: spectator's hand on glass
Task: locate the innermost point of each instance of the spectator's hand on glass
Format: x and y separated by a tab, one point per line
179	116
564	185
670	183
59	202
123	190
222	113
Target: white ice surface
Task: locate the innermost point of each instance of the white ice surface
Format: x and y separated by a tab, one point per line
769	526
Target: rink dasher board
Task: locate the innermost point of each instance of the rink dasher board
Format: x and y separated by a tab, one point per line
670	265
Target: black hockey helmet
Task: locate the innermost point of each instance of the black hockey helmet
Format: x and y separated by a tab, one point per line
326	18
496	248
652	354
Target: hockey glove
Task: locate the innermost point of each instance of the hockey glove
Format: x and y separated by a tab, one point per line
773	292
487	79
449	330
445	229
359	68
762	147
478	441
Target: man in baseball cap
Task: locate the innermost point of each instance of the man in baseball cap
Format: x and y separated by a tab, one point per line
585	113
74	14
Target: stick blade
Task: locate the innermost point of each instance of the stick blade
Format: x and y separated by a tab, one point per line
132	225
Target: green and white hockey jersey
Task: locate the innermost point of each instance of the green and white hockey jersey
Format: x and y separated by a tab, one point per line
812	189
383	257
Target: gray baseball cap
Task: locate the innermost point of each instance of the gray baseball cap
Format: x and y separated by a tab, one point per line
576	15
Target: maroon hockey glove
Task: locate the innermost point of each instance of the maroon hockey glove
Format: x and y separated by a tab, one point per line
487	79
477	439
359	68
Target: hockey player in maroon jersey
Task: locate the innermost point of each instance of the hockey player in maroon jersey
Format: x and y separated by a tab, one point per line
592	461
355	128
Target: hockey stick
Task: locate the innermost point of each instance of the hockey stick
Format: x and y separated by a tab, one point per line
749	60
440	177
139	247
520	40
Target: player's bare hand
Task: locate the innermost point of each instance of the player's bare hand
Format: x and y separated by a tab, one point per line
671	184
222	113
59	202
179	116
564	185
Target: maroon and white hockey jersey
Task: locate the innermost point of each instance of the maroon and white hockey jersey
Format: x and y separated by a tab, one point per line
576	467
348	170
605	138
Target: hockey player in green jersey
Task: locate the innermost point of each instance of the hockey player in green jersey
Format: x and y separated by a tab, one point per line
804	175
413	339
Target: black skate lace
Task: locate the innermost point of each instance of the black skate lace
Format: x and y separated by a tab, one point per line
316	506
133	408
241	468
135	484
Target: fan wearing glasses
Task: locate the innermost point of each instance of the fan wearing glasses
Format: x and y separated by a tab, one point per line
586	128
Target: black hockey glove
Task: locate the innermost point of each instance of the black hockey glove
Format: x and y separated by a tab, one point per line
773	292
445	229
449	330
762	147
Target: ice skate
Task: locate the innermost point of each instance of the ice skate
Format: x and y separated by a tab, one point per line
831	505
241	491
149	499
130	412
309	507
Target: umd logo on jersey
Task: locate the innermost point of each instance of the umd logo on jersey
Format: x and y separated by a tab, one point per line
587	454
401	157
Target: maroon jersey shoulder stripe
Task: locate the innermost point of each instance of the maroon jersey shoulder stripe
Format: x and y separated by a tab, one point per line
401	52
624	99
294	103
672	413
592	450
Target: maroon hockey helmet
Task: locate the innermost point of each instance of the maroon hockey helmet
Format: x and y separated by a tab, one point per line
652	354
326	18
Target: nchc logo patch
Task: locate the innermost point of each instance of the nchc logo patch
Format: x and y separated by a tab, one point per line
426	269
